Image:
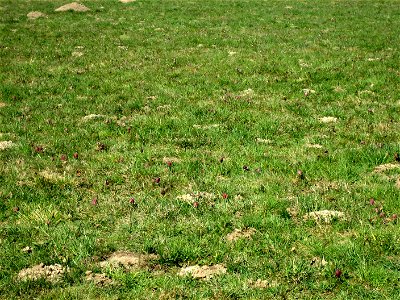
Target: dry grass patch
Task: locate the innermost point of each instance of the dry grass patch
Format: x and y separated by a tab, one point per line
315	146
200	197
261	284
328	120
92	117
6	145
325	216
386	167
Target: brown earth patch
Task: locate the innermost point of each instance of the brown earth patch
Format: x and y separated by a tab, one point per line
52	273
128	260
2	104
100	279
126	1
398	183
74	6
35	14
203	272
240	234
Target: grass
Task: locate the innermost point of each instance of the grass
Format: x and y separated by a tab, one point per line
224	97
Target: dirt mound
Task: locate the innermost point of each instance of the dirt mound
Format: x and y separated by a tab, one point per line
98	278
203	272
74	6
239	234
52	273
35	14
128	260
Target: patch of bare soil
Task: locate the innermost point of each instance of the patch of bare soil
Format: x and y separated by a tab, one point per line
386	167
6	144
203	272
74	6
52	273
2	104
126	1
239	234
100	279
128	260
35	14
325	216
398	183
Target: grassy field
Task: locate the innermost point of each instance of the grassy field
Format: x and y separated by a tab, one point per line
208	133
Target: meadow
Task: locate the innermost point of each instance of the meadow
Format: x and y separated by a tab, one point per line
213	149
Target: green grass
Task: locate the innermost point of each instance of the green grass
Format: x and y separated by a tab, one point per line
193	82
